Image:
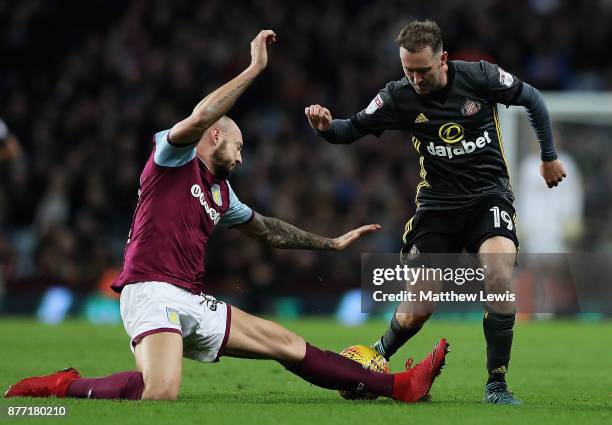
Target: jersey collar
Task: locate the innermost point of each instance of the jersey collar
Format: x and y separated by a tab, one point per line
208	175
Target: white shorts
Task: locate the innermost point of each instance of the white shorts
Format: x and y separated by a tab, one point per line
152	307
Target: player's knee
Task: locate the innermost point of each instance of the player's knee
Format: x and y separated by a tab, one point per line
160	388
412	320
498	279
160	392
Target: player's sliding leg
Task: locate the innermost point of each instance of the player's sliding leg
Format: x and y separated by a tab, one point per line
159	362
253	337
498	254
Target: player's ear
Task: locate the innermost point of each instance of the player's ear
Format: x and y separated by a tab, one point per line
215	135
443	57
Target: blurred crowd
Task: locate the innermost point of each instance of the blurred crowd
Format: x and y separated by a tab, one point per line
84	85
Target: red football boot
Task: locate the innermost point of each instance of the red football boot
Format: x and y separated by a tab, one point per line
54	385
414	384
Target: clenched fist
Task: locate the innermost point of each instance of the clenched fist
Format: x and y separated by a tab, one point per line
319	117
553	172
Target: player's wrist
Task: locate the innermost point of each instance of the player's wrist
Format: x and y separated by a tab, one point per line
549	158
255	68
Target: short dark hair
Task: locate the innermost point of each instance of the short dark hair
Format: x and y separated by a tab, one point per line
417	35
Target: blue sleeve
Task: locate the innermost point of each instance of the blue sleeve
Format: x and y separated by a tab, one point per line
238	213
168	155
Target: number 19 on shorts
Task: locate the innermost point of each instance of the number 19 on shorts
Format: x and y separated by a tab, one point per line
499	215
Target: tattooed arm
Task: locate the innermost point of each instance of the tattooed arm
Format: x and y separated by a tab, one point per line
217	103
280	234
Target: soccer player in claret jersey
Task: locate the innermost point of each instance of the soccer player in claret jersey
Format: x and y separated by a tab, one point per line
464	200
165	308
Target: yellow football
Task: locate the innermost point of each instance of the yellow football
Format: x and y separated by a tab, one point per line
370	359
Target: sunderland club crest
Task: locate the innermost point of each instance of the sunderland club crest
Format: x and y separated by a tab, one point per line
470	107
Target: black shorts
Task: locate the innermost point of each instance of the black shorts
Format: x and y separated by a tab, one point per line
450	231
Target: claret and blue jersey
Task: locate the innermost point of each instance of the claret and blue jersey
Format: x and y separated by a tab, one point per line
180	202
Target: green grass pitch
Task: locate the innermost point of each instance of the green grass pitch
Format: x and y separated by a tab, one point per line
562	370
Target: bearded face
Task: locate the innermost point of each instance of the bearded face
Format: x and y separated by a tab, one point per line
226	157
220	146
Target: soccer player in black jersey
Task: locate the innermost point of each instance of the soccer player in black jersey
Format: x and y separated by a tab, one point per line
464	200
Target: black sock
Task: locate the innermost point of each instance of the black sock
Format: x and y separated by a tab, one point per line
498	330
395	337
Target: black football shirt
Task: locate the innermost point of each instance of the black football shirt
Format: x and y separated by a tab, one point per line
455	131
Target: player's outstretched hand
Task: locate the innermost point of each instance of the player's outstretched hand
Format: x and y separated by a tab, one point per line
553	172
259	48
319	117
344	241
